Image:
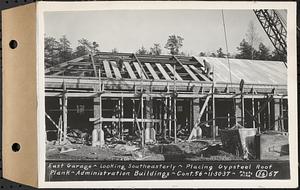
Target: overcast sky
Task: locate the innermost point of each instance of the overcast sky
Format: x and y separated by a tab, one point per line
128	30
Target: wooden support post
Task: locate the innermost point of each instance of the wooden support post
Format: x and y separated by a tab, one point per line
119	116
93	63
142	121
175	118
242	109
174	99
214	115
61	121
207	112
170	116
258	116
238	111
269	116
160	108
65	113
133	114
196	112
191	114
149	130
60	129
165	117
281	115
122	116
205	104
253	111
228	120
277	114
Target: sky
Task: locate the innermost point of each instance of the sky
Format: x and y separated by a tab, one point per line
128	30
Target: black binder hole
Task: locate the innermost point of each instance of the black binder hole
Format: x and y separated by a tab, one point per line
13	44
16	147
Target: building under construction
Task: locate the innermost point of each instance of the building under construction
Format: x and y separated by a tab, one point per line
153	98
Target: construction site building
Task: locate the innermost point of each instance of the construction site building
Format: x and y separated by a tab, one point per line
163	96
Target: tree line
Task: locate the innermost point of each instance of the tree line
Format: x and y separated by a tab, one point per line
58	51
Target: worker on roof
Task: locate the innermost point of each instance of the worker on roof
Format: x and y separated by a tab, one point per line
207	67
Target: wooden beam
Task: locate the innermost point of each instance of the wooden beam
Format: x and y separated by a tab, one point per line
214	127
139	70
170	116
122	116
173	72
190	73
141	66
65	113
199	73
253	111
129	70
64	64
175	119
89	82
152	71
142	121
93	64
53	122
155	95
107	69
116	69
163	72
198	121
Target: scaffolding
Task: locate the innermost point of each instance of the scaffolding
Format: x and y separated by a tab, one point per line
161	83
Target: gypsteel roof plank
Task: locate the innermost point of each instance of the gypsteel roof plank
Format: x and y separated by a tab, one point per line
152	71
190	73
172	70
139	70
129	70
107	69
199	73
116	69
163	72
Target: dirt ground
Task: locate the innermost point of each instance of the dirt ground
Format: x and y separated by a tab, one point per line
181	151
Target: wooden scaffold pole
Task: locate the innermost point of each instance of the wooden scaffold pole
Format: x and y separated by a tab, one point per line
253	108
174	104
214	113
101	133
142	121
65	113
122	116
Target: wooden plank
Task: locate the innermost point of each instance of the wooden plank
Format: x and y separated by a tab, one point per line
172	70
129	70
163	72
153	73
116	69
161	95
190	73
125	120
139	70
107	69
199	73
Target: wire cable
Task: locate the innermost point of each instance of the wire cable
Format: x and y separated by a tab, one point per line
229	66
226	43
